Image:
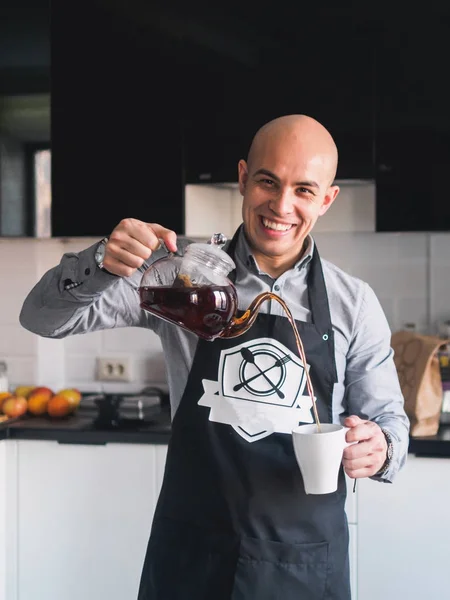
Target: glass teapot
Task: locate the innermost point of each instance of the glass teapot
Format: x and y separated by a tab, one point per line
194	291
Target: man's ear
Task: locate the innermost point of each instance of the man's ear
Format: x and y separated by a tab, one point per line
330	196
243	176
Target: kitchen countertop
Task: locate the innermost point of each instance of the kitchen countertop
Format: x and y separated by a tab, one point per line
80	430
433	446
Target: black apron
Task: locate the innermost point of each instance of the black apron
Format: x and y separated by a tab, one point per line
233	521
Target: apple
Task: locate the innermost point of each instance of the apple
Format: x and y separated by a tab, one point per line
15	406
24	390
73	396
3	396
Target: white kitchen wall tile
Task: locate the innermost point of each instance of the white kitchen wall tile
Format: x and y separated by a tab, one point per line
412	247
408	281
51	366
22	371
336	245
207	210
379	248
150	368
132	340
236	208
85	343
440	248
17	341
439	293
11	301
352	210
17	256
80	370
411	310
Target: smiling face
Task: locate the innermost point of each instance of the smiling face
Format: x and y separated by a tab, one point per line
286	185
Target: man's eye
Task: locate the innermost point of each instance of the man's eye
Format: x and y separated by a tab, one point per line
267	181
304	190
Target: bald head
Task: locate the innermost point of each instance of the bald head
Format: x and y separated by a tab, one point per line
301	135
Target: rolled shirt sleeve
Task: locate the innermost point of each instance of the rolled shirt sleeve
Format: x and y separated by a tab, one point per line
371	382
77	297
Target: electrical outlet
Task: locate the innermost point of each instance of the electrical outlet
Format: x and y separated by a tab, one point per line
113	369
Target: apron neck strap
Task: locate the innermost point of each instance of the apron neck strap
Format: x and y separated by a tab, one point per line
317	291
317	294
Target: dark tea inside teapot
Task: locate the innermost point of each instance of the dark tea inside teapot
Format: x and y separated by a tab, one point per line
192	291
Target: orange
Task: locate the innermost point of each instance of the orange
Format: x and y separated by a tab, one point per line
37	403
59	406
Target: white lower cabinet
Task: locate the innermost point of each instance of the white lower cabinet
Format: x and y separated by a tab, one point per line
82	519
3	517
404	533
75	519
353	554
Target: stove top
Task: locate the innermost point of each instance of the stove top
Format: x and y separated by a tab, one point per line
125	410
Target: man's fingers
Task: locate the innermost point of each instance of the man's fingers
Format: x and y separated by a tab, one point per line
133	229
132	242
363	431
167	235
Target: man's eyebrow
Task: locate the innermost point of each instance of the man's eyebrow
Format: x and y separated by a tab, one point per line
313	184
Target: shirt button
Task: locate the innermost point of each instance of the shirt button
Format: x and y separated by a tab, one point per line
276	288
87	271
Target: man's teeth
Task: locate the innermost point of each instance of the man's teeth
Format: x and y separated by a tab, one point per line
275	226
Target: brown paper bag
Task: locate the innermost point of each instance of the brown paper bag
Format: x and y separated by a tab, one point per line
419	373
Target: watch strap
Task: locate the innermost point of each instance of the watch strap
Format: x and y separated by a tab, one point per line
389	452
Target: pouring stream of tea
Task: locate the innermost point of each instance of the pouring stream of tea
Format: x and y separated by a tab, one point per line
249	316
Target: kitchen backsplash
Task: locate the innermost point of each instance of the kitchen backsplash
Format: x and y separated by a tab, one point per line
410	273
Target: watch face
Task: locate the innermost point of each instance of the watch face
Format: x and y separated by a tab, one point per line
100	253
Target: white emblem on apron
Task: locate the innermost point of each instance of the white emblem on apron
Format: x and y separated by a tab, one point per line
259	390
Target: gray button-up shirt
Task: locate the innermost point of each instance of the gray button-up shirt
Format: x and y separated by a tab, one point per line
76	297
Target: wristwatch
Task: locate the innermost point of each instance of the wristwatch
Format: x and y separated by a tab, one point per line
99	255
389	452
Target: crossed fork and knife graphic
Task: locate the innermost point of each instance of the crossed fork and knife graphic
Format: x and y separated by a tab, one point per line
248	355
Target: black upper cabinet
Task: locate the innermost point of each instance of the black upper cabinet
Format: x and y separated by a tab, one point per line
343	100
159	96
331	81
412	127
116	135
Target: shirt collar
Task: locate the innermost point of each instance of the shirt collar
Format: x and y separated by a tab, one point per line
244	251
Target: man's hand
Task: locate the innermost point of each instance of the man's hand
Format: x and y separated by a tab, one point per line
365	458
132	242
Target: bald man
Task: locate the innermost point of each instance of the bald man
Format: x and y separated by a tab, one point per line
233	521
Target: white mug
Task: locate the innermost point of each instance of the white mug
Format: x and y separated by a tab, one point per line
319	455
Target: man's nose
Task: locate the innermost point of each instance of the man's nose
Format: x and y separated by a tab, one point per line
283	203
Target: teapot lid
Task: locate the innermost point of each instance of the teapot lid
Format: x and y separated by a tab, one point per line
212	255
